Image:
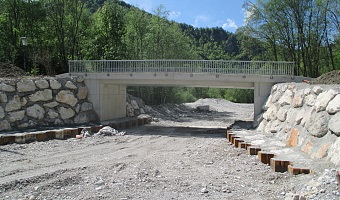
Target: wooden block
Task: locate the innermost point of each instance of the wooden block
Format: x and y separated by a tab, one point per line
297	170
243	145
253	150
229	134
50	135
10	139
265	156
30	137
128	124
279	165
134	123
20	139
237	141
113	125
41	136
233	137
59	134
67	133
121	125
95	129
140	122
1	141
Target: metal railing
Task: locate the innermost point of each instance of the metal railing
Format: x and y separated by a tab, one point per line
182	66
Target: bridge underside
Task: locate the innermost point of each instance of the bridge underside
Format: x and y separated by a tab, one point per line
107	91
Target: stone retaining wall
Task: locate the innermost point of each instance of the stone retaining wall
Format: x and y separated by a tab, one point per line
39	102
306	117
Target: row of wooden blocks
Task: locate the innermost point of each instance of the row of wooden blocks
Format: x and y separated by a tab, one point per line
278	165
66	133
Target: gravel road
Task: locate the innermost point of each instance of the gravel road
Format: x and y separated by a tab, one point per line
183	155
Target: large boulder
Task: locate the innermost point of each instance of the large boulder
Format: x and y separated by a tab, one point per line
36	112
26	86
43	95
42	83
82	93
6	88
323	99
334	105
67	97
16	116
4	125
287	98
3	97
70	85
13	104
2	113
66	113
333	124
317	125
55	85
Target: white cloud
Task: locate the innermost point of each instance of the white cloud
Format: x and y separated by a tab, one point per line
200	18
229	24
174	14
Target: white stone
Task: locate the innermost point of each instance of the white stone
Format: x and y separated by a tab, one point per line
287	98
6	88
42	83
333	153
323	99
55	85
13	104
307	91
307	115
67	97
299	116
282	114
23	101
81	119
86	106
317	124
334	105
4	125
80	79
66	113
36	112
51	104
275	126
2	113
70	85
42	95
310	99
82	93
271	113
334	125
268	103
26	86
16	116
52	114
135	106
317	90
298	99
3	97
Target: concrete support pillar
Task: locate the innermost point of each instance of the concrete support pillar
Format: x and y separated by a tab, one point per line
108	99
261	94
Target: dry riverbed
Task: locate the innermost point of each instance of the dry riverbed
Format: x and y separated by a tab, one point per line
183	155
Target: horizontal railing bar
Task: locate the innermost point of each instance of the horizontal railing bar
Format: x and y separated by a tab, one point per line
183	66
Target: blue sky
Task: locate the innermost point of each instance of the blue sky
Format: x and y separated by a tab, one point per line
227	14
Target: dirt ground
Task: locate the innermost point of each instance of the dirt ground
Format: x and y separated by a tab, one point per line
183	155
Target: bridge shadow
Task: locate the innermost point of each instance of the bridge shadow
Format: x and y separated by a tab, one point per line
178	131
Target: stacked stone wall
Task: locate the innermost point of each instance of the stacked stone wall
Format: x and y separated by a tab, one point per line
44	101
306	117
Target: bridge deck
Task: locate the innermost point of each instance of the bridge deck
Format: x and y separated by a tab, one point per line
183	66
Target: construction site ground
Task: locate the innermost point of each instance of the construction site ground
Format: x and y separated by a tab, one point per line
183	154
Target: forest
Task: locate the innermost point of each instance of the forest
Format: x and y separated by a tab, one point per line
303	31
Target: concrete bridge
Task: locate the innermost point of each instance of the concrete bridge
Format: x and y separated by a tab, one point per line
107	79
